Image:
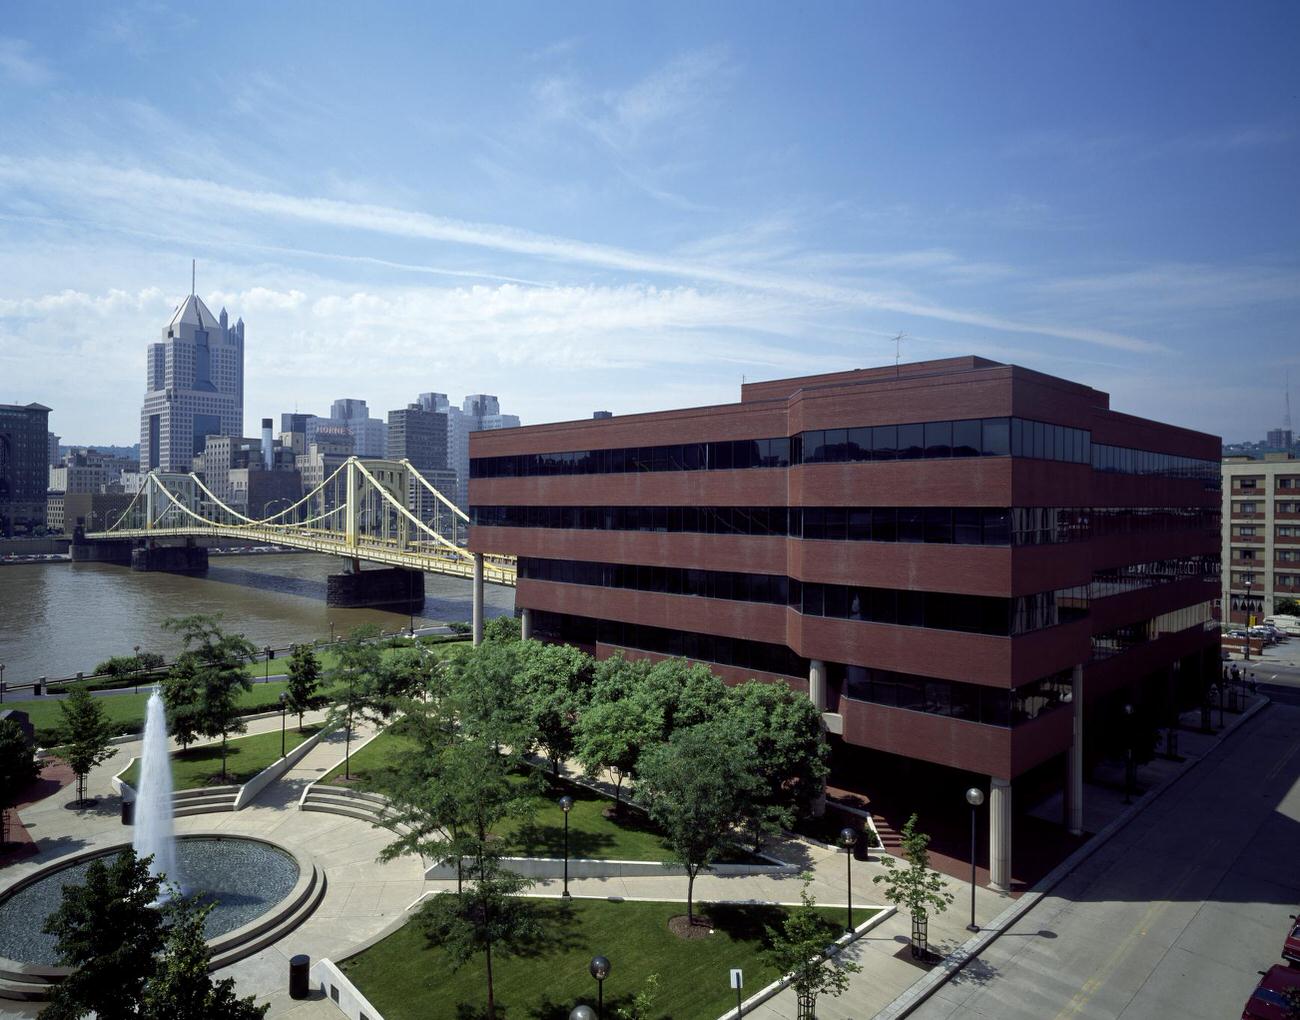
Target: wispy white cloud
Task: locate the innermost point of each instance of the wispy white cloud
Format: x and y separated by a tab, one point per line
20	64
83	182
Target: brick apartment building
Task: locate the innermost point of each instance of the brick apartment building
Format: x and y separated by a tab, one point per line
963	563
1261	543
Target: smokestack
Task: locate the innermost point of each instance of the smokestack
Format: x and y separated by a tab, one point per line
268	451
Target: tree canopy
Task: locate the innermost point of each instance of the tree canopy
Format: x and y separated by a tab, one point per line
87	733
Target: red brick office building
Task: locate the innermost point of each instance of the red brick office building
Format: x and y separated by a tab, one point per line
962	562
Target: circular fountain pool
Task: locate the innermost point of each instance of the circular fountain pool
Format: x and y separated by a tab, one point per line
243	878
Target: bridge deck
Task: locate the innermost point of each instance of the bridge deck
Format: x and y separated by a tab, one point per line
435	559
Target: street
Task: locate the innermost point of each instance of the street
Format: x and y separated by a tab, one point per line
1175	915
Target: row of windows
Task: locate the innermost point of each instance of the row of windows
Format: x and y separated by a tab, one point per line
975	437
975	703
1121	639
724	651
960	525
1125	461
1133	576
987	705
977	614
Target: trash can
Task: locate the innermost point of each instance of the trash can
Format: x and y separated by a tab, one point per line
299	977
128	812
37	687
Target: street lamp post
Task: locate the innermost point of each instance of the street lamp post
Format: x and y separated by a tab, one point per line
566	805
1246	656
267	678
974	797
600	970
848	840
1128	754
284	699
331	632
2	683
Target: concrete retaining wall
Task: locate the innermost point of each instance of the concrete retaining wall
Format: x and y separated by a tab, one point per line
336	988
275	770
553	867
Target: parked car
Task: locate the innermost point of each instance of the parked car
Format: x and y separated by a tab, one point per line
1269	999
1291	947
1287	624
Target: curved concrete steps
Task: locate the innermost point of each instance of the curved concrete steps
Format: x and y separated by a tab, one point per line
340	800
204	800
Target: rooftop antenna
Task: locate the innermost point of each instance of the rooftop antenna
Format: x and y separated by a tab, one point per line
1286	423
193	263
898	350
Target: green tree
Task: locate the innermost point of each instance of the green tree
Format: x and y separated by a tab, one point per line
914	886
502	628
782	730
109	935
643	1002
484	681
303	683
407	672
1286	607
180	988
18	768
119	668
621	718
182	694
87	733
695	788
688	693
798	948
353	681
213	665
489	917
554	680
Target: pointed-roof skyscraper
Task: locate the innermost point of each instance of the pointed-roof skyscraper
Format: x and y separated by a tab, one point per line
194	386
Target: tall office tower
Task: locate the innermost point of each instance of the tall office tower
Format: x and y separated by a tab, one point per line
477	412
55	459
420	436
194	387
24	471
970	567
369	435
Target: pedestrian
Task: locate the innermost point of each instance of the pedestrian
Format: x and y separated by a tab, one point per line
1236	674
1251	683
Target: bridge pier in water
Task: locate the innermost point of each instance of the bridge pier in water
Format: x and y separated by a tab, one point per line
171	559
95	551
388	588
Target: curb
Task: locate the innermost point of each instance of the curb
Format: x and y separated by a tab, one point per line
921	990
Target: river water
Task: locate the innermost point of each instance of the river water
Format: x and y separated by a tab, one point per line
59	618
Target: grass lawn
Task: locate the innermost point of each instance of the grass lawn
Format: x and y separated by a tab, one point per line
407	979
126	711
245	758
591	835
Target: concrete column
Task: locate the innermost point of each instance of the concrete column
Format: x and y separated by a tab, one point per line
478	598
350	515
526	624
1074	760
817	684
1000	835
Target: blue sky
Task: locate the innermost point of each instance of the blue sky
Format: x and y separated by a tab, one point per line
582	206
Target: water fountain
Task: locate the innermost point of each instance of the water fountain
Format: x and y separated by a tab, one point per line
153	804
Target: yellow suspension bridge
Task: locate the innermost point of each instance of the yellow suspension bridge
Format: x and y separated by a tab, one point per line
380	511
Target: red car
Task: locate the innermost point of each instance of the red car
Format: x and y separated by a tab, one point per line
1291	947
1269	1001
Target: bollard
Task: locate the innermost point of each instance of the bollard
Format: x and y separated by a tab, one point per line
38	686
299	978
128	812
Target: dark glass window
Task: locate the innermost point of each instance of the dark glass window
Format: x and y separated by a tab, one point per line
938	439
995	437
884	442
911	442
966	439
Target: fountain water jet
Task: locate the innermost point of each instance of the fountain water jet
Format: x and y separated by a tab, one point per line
153	803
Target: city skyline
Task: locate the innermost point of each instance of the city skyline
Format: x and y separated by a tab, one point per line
579	209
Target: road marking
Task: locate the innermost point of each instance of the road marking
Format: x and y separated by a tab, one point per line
1090	987
1271	773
